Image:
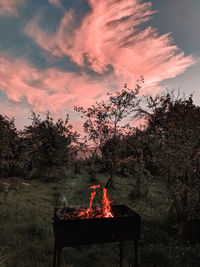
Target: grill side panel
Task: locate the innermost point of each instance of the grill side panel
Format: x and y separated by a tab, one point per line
97	230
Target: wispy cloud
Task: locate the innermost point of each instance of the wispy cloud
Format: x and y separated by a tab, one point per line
113	34
55	3
9	7
111	40
50	89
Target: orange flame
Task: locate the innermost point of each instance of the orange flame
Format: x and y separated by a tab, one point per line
106	205
104	212
95	186
87	213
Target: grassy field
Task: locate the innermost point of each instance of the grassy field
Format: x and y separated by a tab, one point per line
26	236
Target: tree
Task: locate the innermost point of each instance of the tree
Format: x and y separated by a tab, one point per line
106	121
48	145
8	145
173	123
134	160
77	155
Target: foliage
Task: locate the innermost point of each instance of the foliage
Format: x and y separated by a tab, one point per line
47	145
173	124
8	146
169	146
104	122
77	155
133	162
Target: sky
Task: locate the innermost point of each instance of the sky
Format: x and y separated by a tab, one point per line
55	54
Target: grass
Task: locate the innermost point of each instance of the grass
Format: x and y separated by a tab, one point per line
26	236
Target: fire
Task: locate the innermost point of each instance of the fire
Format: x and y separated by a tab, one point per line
105	212
106	204
95	186
89	211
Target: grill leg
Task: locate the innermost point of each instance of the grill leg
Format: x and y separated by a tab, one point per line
121	252
136	253
59	255
55	254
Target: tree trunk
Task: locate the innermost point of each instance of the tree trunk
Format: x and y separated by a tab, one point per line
76	168
111	180
92	168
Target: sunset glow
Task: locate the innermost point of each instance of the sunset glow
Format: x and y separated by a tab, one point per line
111	44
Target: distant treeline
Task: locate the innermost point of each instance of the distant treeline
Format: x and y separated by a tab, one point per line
168	146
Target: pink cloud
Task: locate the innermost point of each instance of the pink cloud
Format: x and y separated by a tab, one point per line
53	43
55	3
11	109
9	7
49	89
109	35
